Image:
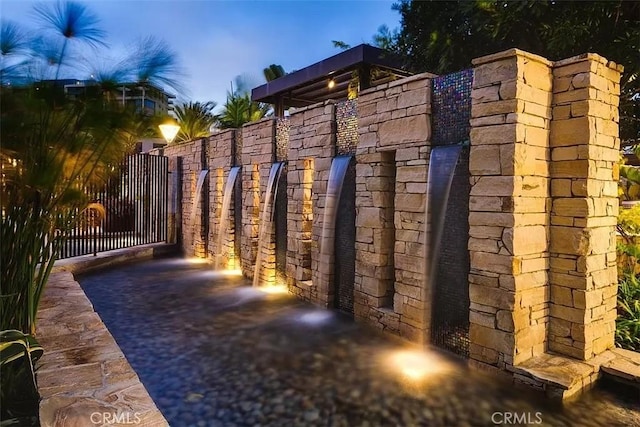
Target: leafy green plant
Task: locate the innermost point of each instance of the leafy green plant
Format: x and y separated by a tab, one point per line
19	353
628	322
195	119
54	146
628	302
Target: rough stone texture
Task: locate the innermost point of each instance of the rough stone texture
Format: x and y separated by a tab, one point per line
190	154
83	372
584	148
390	202
511	110
543	206
623	364
311	148
258	154
221	148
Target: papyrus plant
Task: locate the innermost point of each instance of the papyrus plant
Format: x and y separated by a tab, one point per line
53	146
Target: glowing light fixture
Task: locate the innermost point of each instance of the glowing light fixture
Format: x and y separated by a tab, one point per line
331	84
194	260
230	272
274	289
416	365
169	131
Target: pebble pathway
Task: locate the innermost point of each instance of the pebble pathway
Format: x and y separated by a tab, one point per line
212	351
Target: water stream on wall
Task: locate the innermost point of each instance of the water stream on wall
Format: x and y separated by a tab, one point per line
265	218
196	198
223	230
338	170
442	165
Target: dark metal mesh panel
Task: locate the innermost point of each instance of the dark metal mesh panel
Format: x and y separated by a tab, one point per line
280	211
347	127
282	139
345	246
238	148
451	108
237	217
451	299
204	220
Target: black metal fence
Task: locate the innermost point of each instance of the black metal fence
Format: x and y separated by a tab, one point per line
129	209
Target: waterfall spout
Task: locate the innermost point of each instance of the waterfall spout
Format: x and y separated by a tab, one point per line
223	230
196	198
338	170
265	218
442	165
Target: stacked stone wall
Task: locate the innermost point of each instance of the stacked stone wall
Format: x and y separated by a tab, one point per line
219	162
394	122
258	154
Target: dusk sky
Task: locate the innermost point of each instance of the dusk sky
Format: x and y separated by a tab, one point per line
218	40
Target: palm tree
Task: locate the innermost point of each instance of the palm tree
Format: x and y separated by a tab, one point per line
240	109
195	119
273	72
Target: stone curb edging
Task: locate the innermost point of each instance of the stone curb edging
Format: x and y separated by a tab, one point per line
84	378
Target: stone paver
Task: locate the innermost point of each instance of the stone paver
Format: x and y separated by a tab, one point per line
625	364
84	378
212	351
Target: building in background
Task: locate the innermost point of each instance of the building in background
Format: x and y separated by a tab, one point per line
149	99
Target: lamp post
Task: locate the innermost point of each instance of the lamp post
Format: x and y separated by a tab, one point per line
169	131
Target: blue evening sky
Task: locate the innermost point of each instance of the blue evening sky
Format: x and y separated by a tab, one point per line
218	40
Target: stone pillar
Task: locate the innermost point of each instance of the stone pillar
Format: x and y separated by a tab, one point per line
220	161
509	203
175	200
311	148
189	158
258	150
395	132
584	151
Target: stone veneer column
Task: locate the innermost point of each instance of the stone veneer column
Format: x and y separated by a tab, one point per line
220	161
311	149
191	166
585	151
258	151
509	207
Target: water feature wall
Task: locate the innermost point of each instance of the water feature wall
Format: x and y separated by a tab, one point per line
391	170
225	253
311	148
221	231
541	182
217	161
264	270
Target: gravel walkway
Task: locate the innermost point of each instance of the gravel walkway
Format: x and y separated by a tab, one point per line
212	351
